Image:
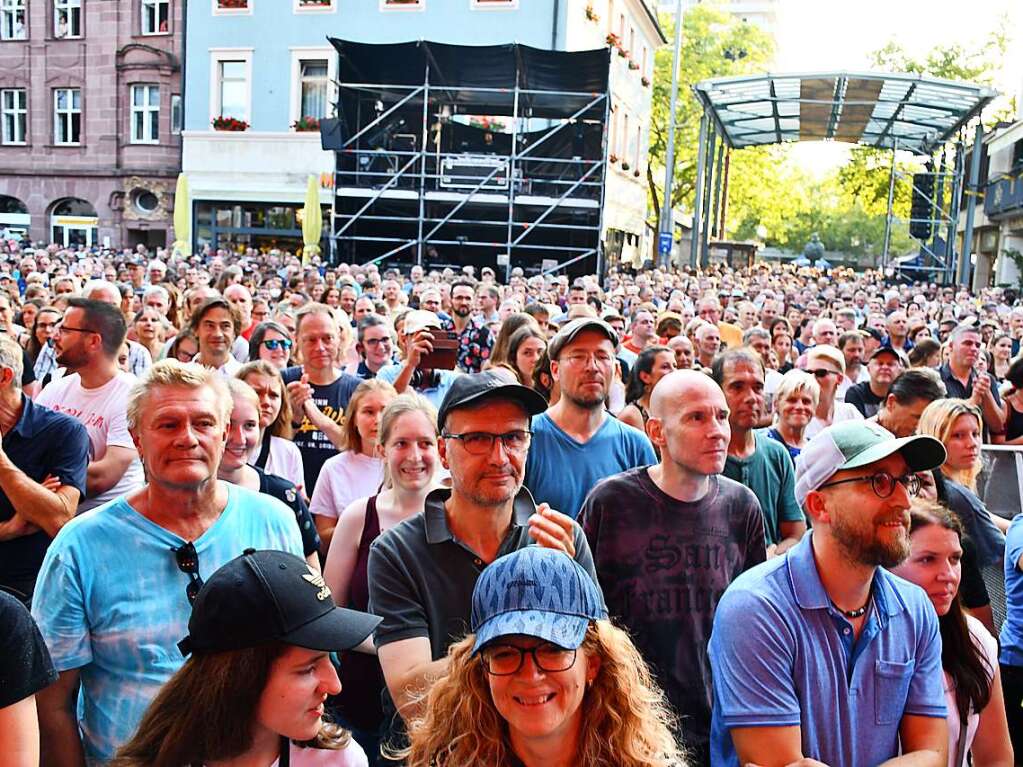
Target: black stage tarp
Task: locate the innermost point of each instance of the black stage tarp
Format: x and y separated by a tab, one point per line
548	77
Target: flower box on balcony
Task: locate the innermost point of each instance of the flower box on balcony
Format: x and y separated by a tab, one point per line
306	124
633	65
591	14
613	40
623	53
229	124
625	166
645	81
232	5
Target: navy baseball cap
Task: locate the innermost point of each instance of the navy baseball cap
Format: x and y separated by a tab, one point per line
271	596
474	387
535	592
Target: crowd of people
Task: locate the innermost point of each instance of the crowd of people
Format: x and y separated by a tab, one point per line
255	511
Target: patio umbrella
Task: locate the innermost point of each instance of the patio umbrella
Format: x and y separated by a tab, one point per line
182	217
312	220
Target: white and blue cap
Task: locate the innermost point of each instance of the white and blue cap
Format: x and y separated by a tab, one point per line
535	592
855	444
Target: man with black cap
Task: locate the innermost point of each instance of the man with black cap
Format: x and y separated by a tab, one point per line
823	656
422	571
884	366
577	443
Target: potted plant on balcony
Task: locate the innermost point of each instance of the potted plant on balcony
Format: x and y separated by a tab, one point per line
613	40
232	4
591	14
625	165
613	158
229	124
633	65
306	124
622	53
645	81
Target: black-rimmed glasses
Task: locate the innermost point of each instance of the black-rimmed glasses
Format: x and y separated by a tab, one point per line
883	484
188	562
482	442
507	659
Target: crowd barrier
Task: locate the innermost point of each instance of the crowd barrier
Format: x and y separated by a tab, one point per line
1000	486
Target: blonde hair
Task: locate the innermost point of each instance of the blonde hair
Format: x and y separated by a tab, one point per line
625	718
827	352
937	420
171	372
794	381
353	440
403	404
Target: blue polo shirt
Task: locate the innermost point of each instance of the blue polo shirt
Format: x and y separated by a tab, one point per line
782	655
42	442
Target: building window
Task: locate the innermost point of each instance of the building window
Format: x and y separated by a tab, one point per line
313	84
493	5
67	18
226	7
402	5
67	116
231	95
623	139
145	114
155	17
315	6
176	117
12	20
14	111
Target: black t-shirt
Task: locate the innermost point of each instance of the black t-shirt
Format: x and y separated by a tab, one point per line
861	397
25	665
332	400
287	493
664	564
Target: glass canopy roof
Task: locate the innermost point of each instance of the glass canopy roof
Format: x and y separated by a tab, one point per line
919	113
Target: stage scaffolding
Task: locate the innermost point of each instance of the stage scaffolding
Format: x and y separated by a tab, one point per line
490	155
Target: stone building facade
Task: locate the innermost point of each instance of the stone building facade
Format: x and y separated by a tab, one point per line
90	112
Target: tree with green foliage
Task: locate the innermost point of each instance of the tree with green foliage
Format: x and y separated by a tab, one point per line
714	44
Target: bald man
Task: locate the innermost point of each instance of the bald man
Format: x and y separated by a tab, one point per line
668	539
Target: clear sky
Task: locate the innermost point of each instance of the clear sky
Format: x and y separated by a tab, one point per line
822	35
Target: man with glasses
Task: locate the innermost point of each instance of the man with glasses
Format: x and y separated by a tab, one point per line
576	442
668	539
115	588
822	654
93	391
422	571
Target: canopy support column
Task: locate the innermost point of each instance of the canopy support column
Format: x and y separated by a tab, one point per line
715	219
971	206
701	160
667	222
708	181
891	201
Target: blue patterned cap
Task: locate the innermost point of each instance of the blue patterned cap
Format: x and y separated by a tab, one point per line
537	592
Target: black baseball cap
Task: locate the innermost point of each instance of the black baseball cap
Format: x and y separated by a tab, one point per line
474	387
271	596
889	349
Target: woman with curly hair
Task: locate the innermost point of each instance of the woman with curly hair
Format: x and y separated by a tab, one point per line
544	680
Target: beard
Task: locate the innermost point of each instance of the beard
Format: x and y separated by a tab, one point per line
587	402
464	311
72	359
869	551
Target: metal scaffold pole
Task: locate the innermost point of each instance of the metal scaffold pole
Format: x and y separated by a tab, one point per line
666	224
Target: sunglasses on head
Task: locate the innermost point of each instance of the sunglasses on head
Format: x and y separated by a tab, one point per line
273	344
